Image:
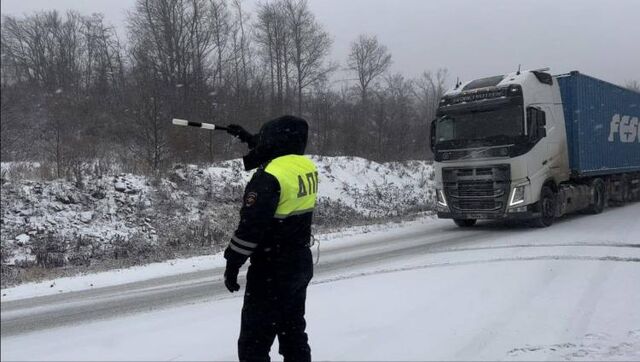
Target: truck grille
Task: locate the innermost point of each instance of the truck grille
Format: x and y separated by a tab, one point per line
479	205
476	189
482	189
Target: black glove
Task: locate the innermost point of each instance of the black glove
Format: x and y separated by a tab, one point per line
241	133
231	278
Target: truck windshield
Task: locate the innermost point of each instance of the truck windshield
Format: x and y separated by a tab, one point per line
483	127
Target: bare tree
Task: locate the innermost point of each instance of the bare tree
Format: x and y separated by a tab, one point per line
151	133
294	47
400	129
171	44
310	45
633	85
46	48
13	128
429	88
241	46
220	22
177	35
368	59
71	93
273	35
68	71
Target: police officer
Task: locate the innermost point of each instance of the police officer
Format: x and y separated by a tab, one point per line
275	232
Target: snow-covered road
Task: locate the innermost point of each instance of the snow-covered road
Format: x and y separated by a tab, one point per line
425	291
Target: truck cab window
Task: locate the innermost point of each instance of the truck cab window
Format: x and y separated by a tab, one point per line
536	119
445	129
481	127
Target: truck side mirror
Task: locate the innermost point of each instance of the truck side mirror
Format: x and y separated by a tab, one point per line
432	135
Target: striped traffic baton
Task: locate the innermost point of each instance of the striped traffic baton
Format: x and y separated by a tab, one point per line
209	126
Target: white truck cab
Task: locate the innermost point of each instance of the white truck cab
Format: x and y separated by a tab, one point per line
500	149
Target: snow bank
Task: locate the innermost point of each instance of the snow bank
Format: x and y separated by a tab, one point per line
357	235
68	224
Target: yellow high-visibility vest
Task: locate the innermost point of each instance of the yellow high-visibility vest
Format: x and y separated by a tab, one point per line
298	179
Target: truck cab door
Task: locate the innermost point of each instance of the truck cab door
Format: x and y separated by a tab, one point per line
539	158
557	158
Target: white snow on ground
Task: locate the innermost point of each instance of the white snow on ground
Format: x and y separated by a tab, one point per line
498	312
179	266
111	212
352	181
569	292
112	277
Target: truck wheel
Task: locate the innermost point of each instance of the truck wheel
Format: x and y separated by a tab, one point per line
547	208
465	223
599	197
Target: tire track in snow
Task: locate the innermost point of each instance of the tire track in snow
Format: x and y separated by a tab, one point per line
22	316
593	347
587	304
27	315
480	261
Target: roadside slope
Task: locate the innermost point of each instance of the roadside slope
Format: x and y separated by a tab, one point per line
59	227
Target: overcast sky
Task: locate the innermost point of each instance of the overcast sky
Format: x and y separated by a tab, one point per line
471	38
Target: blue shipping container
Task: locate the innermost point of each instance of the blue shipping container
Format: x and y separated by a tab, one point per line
603	131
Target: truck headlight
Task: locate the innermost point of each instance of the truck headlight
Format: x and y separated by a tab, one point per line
442	201
517	196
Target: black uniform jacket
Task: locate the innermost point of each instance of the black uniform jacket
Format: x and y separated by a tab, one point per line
260	235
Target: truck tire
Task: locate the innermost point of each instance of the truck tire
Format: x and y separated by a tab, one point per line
547	208
465	223
599	197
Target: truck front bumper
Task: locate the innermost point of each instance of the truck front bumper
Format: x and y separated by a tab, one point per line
523	213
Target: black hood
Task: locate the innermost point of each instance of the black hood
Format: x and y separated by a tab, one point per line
286	135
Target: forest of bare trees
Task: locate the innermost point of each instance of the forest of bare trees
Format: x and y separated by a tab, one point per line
76	96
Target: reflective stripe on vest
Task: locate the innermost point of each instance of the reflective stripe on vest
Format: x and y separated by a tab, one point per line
298	179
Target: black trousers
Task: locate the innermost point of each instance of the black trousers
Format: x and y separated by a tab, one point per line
274	305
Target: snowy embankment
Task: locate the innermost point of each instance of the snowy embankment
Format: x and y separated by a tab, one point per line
569	292
327	241
125	219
